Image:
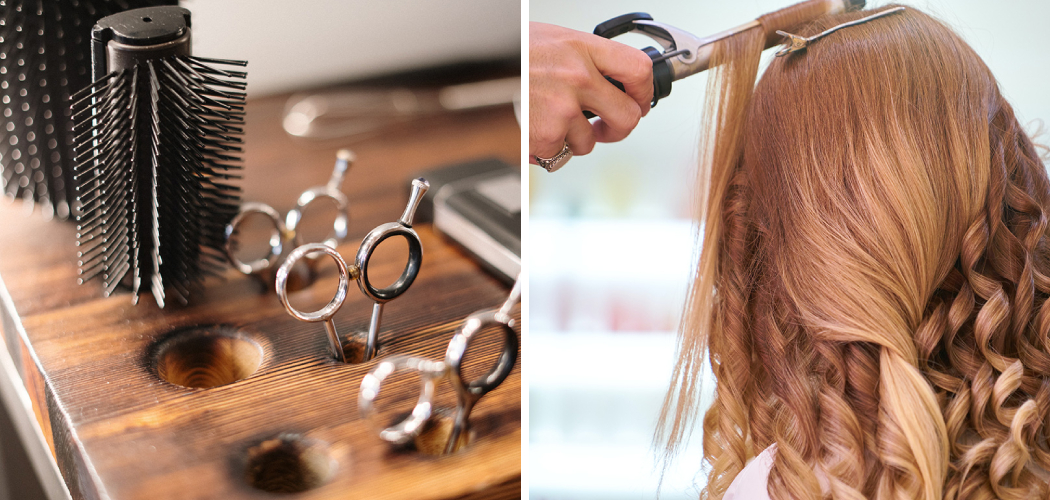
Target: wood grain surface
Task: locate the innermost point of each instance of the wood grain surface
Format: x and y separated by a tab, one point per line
118	431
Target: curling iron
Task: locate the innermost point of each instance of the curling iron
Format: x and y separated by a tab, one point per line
682	54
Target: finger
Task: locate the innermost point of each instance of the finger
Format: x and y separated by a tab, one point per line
580	137
605	133
548	150
628	65
549	119
619	113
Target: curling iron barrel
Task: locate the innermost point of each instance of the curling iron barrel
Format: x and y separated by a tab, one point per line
684	54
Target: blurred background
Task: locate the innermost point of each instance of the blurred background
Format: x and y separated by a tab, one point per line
611	252
292	45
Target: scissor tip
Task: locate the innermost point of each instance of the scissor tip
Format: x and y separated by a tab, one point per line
346	155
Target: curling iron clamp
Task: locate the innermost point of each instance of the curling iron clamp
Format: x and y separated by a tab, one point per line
684	54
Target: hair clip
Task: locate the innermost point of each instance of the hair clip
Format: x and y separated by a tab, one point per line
796	43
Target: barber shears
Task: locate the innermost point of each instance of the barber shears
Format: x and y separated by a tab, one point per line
431	372
286	232
359	271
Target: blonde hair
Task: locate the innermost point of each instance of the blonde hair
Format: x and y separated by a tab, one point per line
873	278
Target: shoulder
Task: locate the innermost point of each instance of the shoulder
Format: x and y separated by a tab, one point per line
750	484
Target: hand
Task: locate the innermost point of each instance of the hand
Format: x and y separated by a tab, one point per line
567	71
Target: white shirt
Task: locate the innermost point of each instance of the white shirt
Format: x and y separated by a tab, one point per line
750	484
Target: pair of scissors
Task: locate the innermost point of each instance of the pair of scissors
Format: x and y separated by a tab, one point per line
286	231
431	372
359	272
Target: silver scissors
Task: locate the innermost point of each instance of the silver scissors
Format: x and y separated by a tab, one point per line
431	372
285	232
359	272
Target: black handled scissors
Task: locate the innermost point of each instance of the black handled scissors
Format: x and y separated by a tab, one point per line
359	272
431	372
286	232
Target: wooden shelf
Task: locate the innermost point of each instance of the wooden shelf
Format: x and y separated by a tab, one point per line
117	431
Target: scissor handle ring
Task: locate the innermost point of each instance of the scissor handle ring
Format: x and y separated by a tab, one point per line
342	218
407	429
277	238
327	312
364	254
457	348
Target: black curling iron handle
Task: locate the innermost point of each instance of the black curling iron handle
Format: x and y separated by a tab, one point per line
662	74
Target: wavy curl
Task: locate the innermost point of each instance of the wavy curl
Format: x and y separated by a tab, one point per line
874	272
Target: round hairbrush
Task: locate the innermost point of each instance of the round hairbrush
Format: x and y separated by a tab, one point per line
44	57
158	138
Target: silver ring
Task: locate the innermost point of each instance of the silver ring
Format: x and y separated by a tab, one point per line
557	161
276	238
407	429
457	348
327	312
342	218
364	255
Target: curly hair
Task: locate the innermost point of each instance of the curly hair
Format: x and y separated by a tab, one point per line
872	287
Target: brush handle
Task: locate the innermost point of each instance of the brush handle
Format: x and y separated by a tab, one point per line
125	39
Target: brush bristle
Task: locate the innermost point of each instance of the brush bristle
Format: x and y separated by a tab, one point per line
157	145
44	56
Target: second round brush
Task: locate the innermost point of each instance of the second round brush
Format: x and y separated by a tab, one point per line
44	57
158	140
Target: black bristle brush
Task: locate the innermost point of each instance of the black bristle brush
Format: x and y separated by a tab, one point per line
44	57
158	134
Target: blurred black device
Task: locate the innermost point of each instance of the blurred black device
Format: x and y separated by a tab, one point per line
477	204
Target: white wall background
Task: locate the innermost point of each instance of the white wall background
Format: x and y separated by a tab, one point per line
291	44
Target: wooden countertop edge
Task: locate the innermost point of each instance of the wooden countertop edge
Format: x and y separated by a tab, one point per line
15	397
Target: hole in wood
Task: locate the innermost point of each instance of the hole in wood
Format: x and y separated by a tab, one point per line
434	437
289	463
354	345
207	357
